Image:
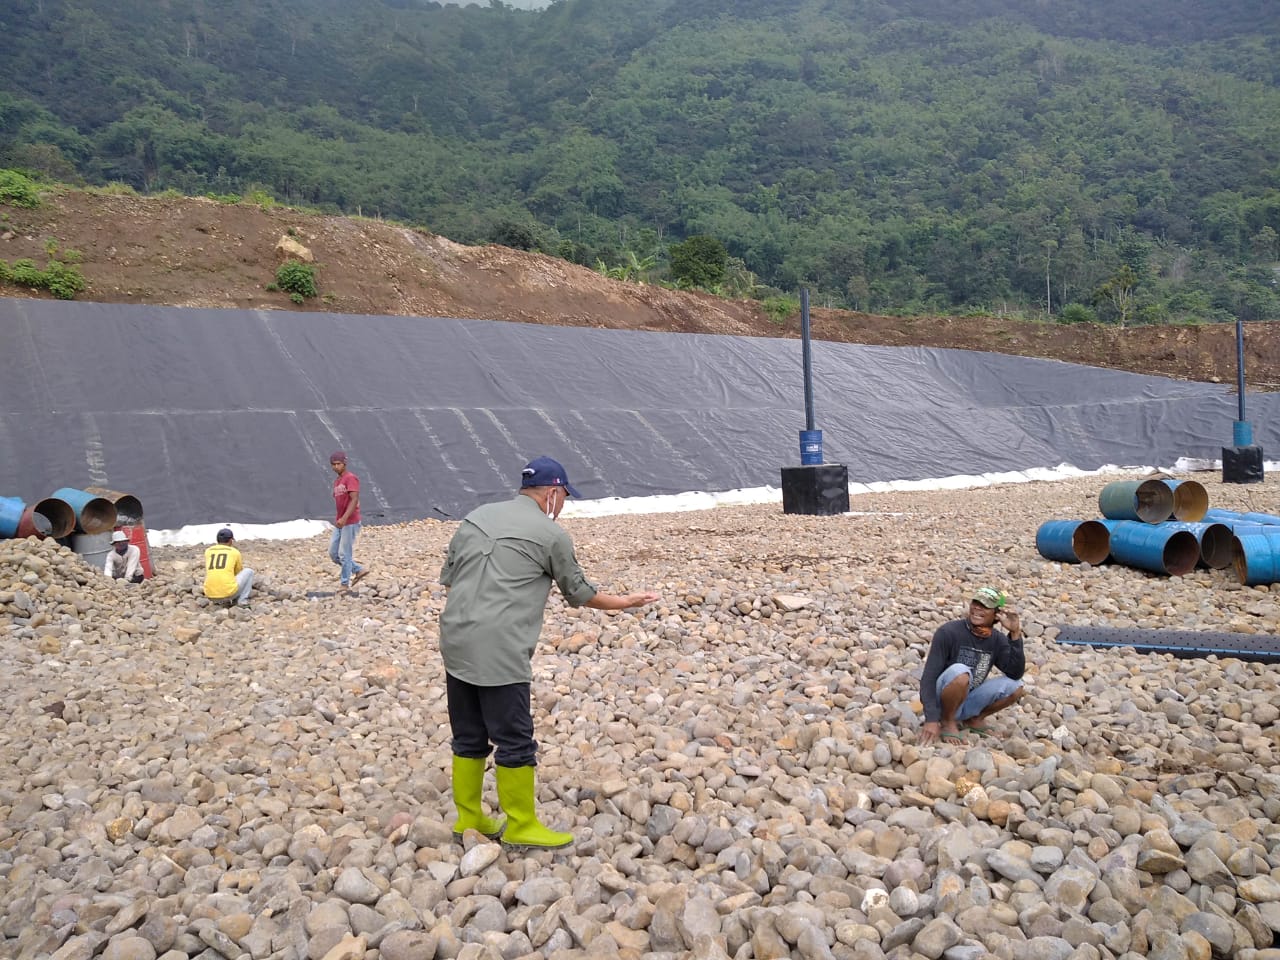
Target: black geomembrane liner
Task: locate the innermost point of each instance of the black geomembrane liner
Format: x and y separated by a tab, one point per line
229	416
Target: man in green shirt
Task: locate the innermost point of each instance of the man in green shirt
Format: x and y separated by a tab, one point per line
499	569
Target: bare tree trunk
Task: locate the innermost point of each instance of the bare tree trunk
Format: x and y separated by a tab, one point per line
1048	291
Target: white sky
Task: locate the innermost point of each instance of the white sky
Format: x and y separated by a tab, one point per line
682	502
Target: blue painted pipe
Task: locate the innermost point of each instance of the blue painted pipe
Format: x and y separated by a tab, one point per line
1234	519
1261	529
93	514
1074	541
1256	559
1156	547
1221	516
1190	499
1268	518
1215	515
10	515
1215	541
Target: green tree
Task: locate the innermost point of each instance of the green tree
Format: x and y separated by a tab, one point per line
1265	243
518	235
1117	293
699	261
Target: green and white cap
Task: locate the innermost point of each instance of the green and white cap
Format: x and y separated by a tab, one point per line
990	597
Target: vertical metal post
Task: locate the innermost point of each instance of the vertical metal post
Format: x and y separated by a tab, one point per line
806	360
815	486
1242	461
1240	366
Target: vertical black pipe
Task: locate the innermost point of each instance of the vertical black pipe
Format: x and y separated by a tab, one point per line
1240	366
806	359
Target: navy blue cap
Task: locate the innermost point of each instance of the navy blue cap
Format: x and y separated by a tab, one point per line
545	472
225	535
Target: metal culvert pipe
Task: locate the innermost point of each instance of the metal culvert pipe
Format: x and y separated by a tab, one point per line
1155	547
1256	558
128	507
33	524
1074	541
93	514
1190	500
59	515
1215	541
1150	501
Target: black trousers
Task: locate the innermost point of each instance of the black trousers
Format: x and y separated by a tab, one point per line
480	716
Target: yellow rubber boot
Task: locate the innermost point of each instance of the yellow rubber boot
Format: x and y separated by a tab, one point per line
516	794
468	784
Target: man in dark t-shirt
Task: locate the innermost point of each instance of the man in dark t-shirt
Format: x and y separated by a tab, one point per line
955	687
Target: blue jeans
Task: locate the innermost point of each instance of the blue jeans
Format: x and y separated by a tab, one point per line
342	544
980	697
244	584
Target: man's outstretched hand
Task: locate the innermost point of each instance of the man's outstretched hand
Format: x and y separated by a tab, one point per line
639	599
929	733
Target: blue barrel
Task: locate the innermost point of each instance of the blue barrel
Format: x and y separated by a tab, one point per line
1256	559
1150	501
93	514
1074	541
1215	541
1154	546
1190	500
10	515
810	448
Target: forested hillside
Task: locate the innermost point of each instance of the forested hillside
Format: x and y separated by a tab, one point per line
1077	156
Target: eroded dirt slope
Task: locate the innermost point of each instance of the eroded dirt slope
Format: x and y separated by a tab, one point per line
200	253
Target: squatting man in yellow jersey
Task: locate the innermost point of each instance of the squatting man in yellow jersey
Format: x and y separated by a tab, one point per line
225	575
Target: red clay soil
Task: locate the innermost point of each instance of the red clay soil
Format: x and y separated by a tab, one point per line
201	253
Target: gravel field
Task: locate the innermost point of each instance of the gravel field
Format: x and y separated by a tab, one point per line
738	762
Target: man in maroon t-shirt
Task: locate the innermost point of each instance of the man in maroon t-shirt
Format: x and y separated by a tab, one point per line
346	497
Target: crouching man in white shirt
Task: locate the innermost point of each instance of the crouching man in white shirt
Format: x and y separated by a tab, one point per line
124	560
